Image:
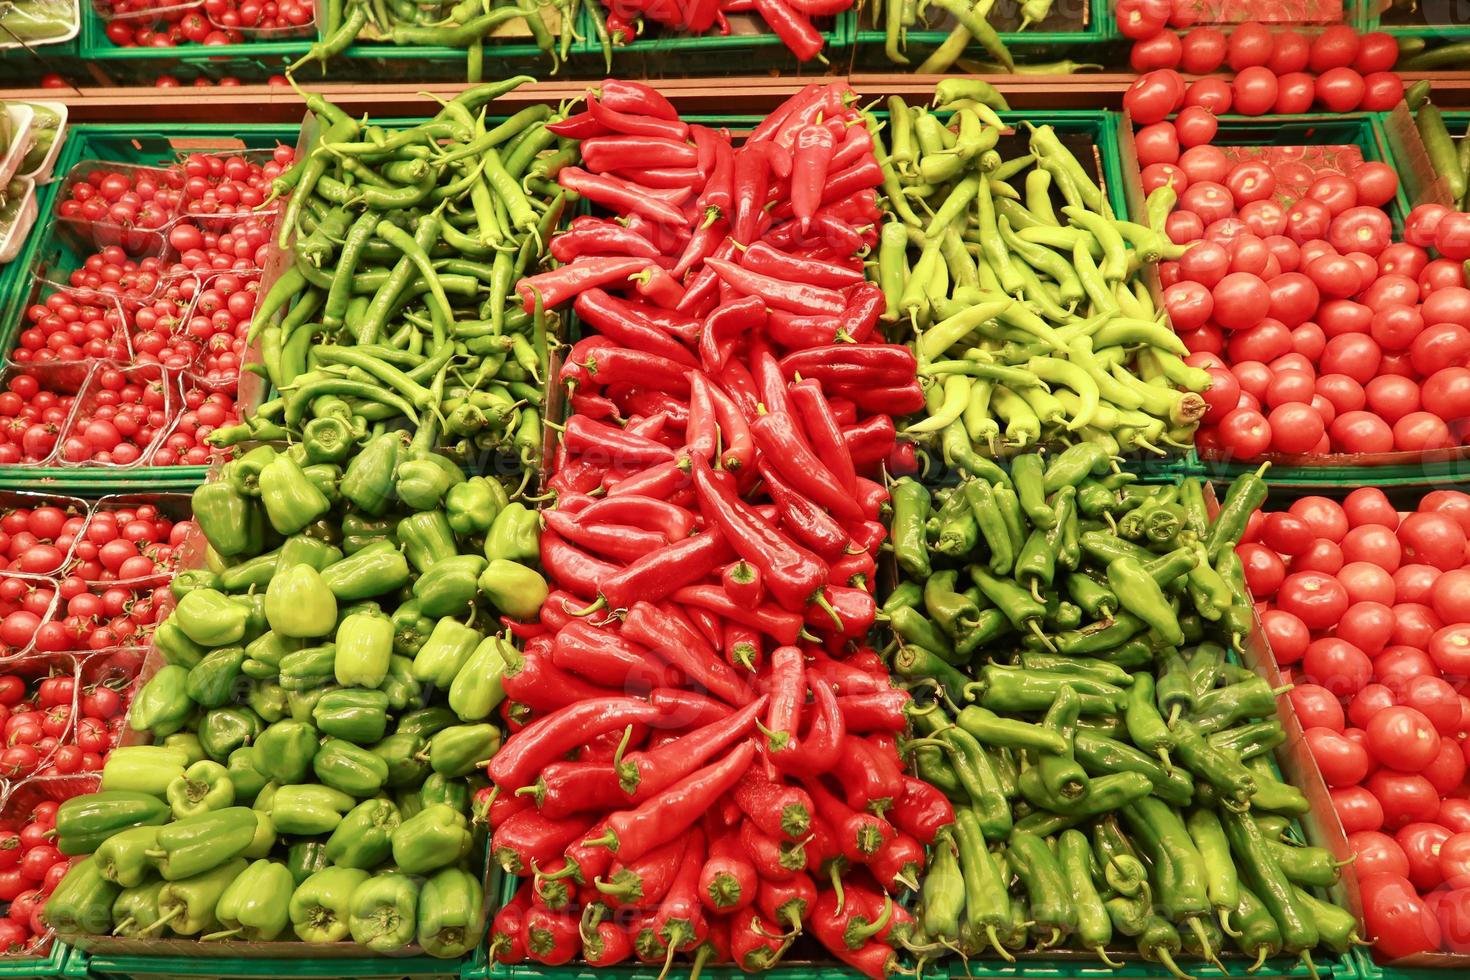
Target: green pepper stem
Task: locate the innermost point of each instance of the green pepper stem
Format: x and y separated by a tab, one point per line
877	925
223	934
163	920
996	945
1168	963
1225	926
1261	953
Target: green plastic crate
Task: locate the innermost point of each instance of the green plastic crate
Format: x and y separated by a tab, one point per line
251	61
51	964
1076	31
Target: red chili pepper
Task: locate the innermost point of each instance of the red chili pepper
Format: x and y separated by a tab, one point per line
853	607
804	520
781	810
723	328
860	319
531	678
856	142
636	123
780	294
831	99
680	923
702	244
854	571
578	126
571	568
607	366
750	186
774	858
565	788
823	854
503	807
848	929
702	435
857	208
634	402
507	941
659	482
624	323
615	542
781	626
560	285
809	163
709	625
635	97
522	631
869	776
662	572
879	711
737	382
681	646
898	862
823	432
604	943
619	195
770	380
606	658
658	287
869	442
551	938
686	709
739	448
646	945
879	364
648	513
784	447
860	176
588	437
718	197
793	28
756	943
816	751
858	834
604	153
530	838
787	902
742	584
847	677
643	775
742	646
767	261
594	406
922	810
598	236
548	739
778	117
701	292
904	399
793	575
706	142
644	882
632	833
795	332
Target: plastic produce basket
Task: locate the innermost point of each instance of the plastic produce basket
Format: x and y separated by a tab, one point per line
1075	30
749	48
251	61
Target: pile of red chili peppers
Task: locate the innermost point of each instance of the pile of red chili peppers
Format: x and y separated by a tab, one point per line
707	763
789	20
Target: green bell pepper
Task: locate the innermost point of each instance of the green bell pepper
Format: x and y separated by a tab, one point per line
136	909
328	439
253	573
307	809
264	840
426	538
326	477
350	768
244	471
451	913
247	779
364	648
211	682
384	912
421	484
196	844
354	714
229	519
256	622
209	618
284	751
303	703
449	586
291	500
411	629
377	569
364	838
83	901
193	578
123	857
445	652
305	857
515	535
368	481
404	692
360	531
477	687
224	730
321	906
302	549
426	722
203	787
436	837
143	769
163	705
402	752
187	743
471	506
187	906
270	648
439	788
514	589
298	603
308	669
457	751
256	905
177	649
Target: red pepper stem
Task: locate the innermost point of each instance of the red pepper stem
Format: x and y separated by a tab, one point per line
835	873
597	606
864	933
593	911
609	840
624	892
617	759
760	930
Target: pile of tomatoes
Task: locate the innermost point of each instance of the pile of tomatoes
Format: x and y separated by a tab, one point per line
1367	610
30	419
146	24
30	869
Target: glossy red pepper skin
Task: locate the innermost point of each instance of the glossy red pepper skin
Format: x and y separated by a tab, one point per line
571	568
787	902
598	236
846	676
507	940
794	332
904	399
560	285
878	711
750	186
878	364
702	291
702	435
551	938
718	197
588	437
659	288
624	323
725	327
781	626
774	858
743	647
898	863
768	261
737	381
603	657
567	788
755	943
870	777
659	482
922	810
625	152
664	571
548	739
637	123
780	809
858	834
607	366
647	513
738	448
533	679
815	146
636	98
578	126
607	945
595	406
803	519
854	571
644	882
530	839
643	775
633	401
683	647
784	446
853	607
817	748
781	294
682	709
870	441
609	541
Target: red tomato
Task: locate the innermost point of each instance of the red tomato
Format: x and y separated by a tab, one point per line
1448	305
1366	582
1287	636
1204	50
1249	45
1377	853
1421	842
1138	19
1195	126
1295	427
1160	51
1438	345
1210	93
1392	397
1323	556
1361	432
1286	533
1382	90
1323	515
1245	433
1337	665
1367	626
1317	707
1377	51
1401	738
1205	163
1452	237
1358	810
1446	771
1414	583
1295	92
1454	814
1398	919
1251	180
1290	53
1435	699
1405	798
1157	142
1454	858
1153	96
1341	761
1254	91
1455	503
1264	570
1240	300
1360	228
1335	47
1370	506
1434	539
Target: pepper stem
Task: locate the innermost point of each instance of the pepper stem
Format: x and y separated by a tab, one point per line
1102	954
820	601
1168	963
877	925
223	934
1225	926
1035	626
163	920
996	945
124	925
1197	927
1306	953
609	840
1164	755
1261	953
597	606
837	887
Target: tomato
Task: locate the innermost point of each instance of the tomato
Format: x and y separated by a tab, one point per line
1367	626
1251	180
1360	228
1415	583
1295	92
1448	305
1249	45
1335	47
1245	433
1209	93
1210	201
1240	300
1307	219
1452	237
1382	90
1265	218
1204	50
1158	175
1366	582
1345	394
1446	771
1205	163
1435	539
1205	263
1392	396
1323	556
1377	853
1402	738
1370	506
1264	570
1153	96
1405	798
1160	51
1190	304
1286	533
1254	91
1222	396
1317	707
1421	842
1434	698
1341	761
1454	814
1195	125
1295	427
1289	53
1139	19
1267	342
1420	432
1157	142
1357	809
1183	227
1455	503
1287	636
1440	274
1355	355
1324	516
1450	649
1336	665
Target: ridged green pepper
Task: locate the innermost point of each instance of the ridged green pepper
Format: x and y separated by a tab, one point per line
229	519
211	682
187	906
402	753
360	531
136	909
255	906
403	690
256	623
353	714
305	857
436	837
350	768
445	652
364	838
426	722
209	618
196	844
449	586
451	913
308	809
514	589
411	629
224	730
163	705
477	687
193	578
177	649
252	573
374	570
364	648
284	751
204	786
303	549
515	535
187	743
439	788
368	482
421	484
458	750
83	901
123	857
471	506
298	603
328	439
243	472
326	477
321	906
142	769
384	912
301	704
426	538
247	779
308	669
291	500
